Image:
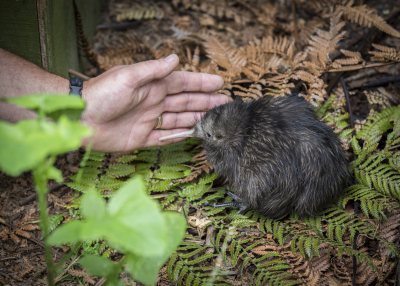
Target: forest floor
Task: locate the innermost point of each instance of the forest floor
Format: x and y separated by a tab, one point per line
212	37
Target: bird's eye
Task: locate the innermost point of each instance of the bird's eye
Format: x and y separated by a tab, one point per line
208	135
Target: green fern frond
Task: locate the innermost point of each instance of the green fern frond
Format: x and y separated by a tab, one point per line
126	158
176	157
107	183
93	164
55	220
81	186
174	167
168	175
97	156
120	170
159	186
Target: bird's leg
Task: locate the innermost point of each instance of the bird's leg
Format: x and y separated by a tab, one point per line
234	197
236	204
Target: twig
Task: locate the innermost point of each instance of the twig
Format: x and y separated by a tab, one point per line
394	147
60	276
32	197
246	80
8	258
384	80
356	204
81	75
120	25
38	242
4	208
101	282
296	35
346	93
159	196
387	273
358	67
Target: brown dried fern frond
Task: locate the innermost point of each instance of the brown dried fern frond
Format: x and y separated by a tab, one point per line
302	267
260	62
22	233
192	60
26	271
277	45
128	50
254	91
199	167
325	42
138	11
353	58
320	7
82	40
78	273
166	47
385	54
280	85
309	29
219	9
363	15
377	99
231	59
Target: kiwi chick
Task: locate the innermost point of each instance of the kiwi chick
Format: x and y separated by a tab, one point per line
275	153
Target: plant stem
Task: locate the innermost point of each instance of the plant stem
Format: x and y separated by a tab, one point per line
40	178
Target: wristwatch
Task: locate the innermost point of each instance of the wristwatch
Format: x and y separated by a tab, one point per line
76	85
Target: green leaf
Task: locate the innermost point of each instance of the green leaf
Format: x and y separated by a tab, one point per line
53	105
132	224
145	268
92	205
100	266
28	143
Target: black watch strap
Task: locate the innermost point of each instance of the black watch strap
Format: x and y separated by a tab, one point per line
76	85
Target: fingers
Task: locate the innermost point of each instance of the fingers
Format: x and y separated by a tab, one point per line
193	102
180	81
180	120
155	135
155	69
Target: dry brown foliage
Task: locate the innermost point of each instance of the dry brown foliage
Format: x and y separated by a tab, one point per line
253	45
138	11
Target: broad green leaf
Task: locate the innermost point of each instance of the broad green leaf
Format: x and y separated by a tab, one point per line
93	206
132	222
133	208
99	266
144	268
53	105
28	143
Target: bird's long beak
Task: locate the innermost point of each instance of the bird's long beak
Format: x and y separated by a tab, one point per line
178	135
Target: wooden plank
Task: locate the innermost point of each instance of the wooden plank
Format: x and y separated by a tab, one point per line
43	31
19	31
61	43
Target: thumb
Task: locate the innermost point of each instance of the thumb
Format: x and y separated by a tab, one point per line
155	69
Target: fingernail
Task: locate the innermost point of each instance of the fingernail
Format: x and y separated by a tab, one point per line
171	58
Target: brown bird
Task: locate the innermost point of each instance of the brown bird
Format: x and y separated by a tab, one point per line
275	153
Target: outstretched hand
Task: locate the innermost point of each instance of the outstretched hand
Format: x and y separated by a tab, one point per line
124	103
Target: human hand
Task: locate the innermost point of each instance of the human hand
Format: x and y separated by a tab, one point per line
124	103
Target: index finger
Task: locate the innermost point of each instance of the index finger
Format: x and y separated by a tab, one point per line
180	81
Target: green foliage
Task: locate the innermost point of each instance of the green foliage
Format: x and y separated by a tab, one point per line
28	143
55	220
34	144
53	105
165	169
131	224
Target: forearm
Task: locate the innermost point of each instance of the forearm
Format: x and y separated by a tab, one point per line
20	77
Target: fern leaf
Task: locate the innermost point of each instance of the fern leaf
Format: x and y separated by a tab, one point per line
363	15
120	170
